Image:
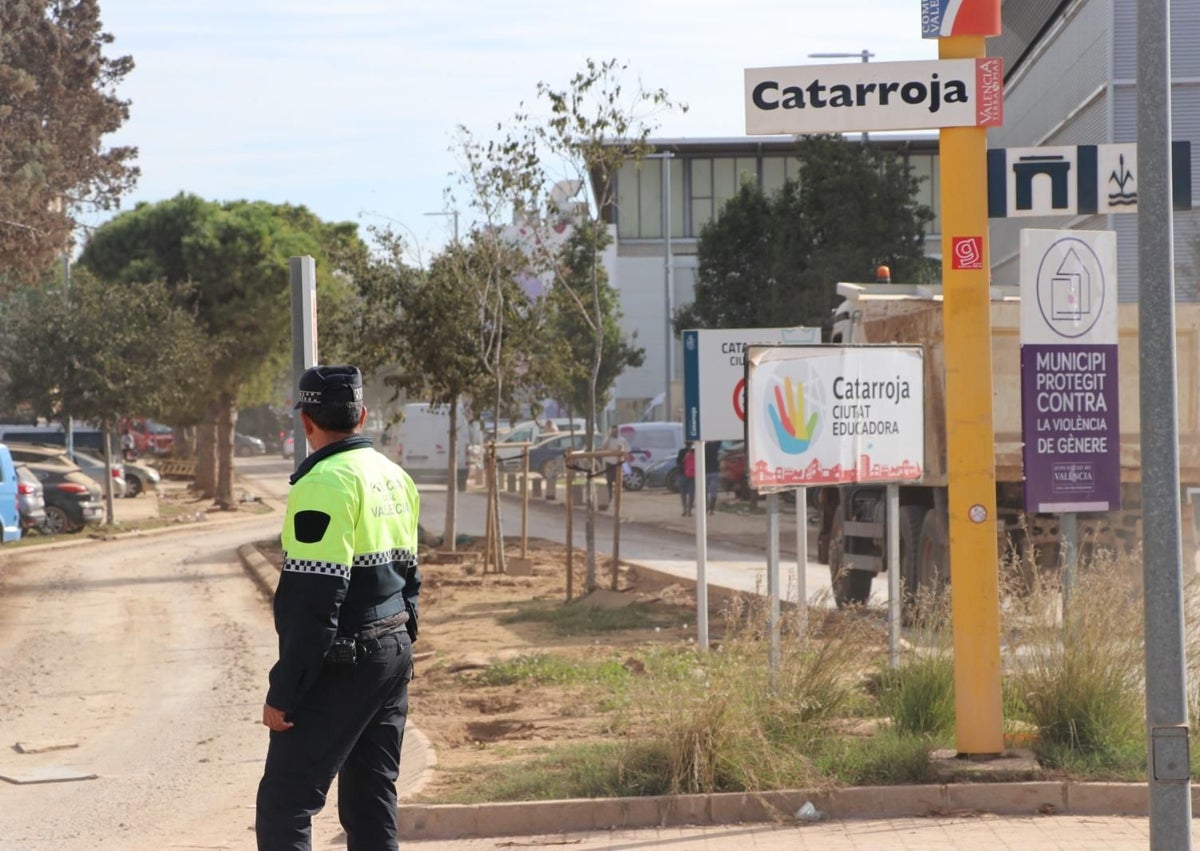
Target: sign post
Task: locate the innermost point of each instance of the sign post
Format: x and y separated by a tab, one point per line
970	441
832	415
720	356
303	277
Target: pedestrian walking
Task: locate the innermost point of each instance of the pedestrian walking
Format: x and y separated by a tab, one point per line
686	459
346	615
613	443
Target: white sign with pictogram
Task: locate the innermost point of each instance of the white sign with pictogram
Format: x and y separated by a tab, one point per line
714	387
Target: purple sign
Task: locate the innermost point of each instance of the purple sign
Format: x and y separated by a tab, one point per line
1071	428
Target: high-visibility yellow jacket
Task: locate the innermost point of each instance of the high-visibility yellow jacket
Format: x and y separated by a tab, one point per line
349	558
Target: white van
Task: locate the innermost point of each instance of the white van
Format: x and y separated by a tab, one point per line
423	448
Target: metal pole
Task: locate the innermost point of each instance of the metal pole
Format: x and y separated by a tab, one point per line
893	556
773	581
701	486
1166	675
802	560
303	273
669	283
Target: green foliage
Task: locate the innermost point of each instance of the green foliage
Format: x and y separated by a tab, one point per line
772	261
1080	679
99	350
579	618
57	102
582	298
919	695
229	263
889	757
544	668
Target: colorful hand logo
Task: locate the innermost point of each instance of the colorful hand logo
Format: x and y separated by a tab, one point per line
793	432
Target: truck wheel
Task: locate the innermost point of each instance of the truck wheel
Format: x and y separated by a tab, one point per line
933	561
911	518
850	587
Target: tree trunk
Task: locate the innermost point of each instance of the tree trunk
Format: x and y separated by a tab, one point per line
448	534
226	424
105	430
205	481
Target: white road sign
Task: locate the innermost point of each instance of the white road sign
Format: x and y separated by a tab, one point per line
834	414
874	96
714	390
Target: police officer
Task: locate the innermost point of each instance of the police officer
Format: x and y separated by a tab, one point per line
346	615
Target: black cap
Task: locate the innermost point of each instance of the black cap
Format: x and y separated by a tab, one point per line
324	384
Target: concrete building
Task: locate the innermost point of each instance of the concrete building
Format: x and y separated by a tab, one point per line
1070	79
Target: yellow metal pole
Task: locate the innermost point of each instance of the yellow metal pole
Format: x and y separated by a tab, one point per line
970	442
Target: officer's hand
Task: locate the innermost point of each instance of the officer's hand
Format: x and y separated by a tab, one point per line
275	718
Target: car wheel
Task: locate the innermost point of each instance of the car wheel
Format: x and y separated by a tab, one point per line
57	521
634	480
133	485
673	480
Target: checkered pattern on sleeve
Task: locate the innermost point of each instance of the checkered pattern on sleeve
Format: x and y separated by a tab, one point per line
404	558
323	568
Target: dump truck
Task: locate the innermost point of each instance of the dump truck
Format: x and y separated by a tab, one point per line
852	535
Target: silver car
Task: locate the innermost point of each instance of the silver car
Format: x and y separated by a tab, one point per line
31	499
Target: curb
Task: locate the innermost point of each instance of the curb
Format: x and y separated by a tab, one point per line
474	821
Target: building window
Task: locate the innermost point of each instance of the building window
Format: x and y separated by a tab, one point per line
640	196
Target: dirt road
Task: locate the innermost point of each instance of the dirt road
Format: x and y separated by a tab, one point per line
141	661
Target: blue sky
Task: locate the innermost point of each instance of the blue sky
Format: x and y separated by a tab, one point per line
350	107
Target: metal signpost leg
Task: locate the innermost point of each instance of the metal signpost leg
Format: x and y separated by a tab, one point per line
701	548
1166	674
802	560
893	560
773	580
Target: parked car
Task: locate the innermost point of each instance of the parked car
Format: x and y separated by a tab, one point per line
547	456
245	445
533	431
139	478
663	474
92	465
73	499
287	446
649	443
31	499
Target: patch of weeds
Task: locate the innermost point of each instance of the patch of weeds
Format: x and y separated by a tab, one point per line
579	618
1078	676
887	758
549	669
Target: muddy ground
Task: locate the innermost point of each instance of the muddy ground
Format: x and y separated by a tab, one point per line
466	626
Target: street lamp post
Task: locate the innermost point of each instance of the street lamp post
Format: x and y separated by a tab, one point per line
668	279
453	213
864	54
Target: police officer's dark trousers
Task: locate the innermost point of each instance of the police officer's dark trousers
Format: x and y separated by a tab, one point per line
349	724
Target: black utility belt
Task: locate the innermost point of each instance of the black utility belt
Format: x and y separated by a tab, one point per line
347	650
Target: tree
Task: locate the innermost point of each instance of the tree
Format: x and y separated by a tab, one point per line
773	261
587	117
57	102
229	263
436	334
96	351
571	341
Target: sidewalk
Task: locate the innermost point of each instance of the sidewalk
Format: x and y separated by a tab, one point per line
960	832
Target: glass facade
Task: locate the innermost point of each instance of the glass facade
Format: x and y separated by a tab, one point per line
701	184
